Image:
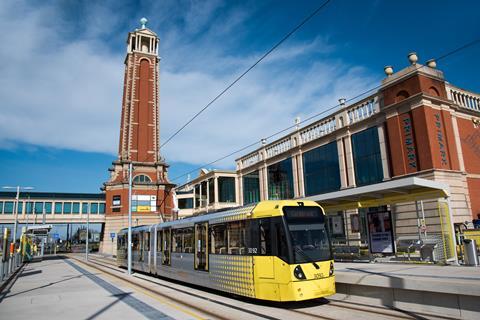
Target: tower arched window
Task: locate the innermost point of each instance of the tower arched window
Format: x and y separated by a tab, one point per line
433	92
402	95
142	178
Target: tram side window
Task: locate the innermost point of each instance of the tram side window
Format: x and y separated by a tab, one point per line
188	241
218	239
159	241
140	241
177	240
135	244
265	242
147	241
236	238
282	246
120	242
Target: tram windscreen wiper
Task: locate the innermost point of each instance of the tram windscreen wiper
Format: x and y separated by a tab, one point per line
306	257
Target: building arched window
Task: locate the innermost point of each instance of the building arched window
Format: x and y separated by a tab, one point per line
433	92
402	95
142	178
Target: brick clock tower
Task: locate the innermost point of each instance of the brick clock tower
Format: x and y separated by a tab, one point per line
152	195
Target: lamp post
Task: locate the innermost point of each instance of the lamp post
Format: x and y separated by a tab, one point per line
129	247
88	235
15	209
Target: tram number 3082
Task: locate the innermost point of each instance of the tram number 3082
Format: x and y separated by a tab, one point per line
252	250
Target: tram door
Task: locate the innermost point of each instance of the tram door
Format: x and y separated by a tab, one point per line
201	246
167	233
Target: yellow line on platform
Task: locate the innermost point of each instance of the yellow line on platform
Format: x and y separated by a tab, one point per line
136	287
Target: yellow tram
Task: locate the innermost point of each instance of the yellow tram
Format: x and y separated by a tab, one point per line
273	250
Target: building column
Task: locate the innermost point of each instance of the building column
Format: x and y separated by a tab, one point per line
194	198
296	192
349	160
383	151
208	195
262	175
239	191
301	181
342	164
215	189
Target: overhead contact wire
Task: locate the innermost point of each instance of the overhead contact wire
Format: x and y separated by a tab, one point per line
302	23
442	57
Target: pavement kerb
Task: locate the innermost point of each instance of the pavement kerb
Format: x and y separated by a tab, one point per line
410	283
12	277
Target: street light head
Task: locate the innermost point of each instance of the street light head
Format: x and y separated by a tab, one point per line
21	188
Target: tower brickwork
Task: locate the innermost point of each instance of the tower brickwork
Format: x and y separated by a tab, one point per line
152	196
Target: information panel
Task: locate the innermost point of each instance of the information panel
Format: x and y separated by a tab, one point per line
380	232
144	203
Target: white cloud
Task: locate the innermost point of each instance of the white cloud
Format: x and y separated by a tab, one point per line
63	89
55	92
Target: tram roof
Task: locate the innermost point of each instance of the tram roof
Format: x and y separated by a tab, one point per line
383	193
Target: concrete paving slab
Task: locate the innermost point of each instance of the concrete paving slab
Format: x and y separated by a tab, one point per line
62	289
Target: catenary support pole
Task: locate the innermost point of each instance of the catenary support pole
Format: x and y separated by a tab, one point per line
16	217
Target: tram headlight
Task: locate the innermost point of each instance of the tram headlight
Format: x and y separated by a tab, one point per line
298	273
331	269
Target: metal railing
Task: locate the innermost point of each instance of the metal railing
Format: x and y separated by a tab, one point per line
10	265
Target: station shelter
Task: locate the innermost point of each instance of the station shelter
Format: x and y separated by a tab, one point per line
373	223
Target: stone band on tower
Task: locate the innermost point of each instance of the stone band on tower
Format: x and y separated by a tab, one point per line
152	195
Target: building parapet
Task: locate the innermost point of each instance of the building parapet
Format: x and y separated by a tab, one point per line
348	115
279	147
318	130
464	99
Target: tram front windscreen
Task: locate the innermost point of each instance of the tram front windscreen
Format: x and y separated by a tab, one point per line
309	236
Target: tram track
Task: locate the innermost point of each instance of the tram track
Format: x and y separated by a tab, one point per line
181	302
216	315
289	308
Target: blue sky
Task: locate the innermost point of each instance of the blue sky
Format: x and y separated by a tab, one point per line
62	72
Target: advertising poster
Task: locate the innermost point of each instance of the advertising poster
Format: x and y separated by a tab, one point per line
380	232
337	225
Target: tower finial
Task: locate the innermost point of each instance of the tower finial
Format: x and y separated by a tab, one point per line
143	22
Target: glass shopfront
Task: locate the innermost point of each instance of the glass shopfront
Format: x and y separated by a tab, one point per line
226	189
251	188
321	170
366	157
280	180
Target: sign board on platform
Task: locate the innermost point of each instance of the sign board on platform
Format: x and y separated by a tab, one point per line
112	235
380	232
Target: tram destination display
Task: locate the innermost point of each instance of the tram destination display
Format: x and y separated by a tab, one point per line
380	232
303	213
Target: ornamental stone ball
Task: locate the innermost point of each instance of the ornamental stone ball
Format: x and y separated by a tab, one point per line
143	22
